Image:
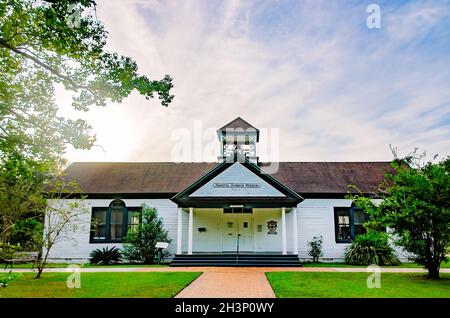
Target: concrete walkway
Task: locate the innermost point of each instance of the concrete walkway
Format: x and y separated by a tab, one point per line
234	283
225	269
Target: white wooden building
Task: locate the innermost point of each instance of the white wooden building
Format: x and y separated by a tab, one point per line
208	207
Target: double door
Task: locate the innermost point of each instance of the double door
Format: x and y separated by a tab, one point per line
237	225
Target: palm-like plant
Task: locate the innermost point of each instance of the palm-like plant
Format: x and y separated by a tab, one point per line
371	248
105	256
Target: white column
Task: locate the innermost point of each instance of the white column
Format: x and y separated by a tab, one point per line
180	230
295	231
283	230
191	230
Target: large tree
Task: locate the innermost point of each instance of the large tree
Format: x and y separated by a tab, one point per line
415	207
45	43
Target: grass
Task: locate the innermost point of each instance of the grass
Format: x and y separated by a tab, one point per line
98	285
403	265
346	285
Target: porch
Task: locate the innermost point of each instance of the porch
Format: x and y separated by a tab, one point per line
237	208
237	230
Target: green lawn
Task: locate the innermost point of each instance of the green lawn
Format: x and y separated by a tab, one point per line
342	285
404	265
51	285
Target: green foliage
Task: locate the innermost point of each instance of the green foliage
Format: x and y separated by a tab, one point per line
371	248
415	207
21	200
7	250
105	256
140	247
46	43
28	234
315	248
6	278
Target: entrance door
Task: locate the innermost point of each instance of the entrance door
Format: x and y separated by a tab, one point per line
245	229
235	224
230	232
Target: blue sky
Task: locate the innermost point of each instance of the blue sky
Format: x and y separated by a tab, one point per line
335	89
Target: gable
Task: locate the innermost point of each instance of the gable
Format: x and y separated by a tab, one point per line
237	181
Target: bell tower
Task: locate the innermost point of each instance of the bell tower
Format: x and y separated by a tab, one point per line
238	136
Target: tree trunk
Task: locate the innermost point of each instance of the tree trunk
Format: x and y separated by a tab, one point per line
433	271
41	263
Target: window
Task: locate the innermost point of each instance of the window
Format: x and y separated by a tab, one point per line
238	210
116	211
359	218
98	224
134	219
112	224
348	223
342	219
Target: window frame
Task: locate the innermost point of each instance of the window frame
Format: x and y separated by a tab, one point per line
239	210
108	209
351	211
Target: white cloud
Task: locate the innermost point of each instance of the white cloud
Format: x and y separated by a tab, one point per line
336	91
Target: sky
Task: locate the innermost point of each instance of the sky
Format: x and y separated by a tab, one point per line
318	82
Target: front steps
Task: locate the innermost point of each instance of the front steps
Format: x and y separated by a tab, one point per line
244	260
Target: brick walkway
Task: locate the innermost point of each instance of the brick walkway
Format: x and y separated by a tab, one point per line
231	283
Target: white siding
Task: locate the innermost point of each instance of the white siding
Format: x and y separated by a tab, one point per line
76	246
315	217
265	242
211	240
237	173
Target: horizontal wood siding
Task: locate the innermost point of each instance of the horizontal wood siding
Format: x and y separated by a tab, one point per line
315	217
75	246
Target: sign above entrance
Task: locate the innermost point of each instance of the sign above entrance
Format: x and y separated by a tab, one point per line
237	185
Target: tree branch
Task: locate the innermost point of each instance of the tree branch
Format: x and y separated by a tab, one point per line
52	70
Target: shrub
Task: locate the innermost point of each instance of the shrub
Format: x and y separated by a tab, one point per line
105	256
7	251
315	248
6	278
371	248
28	234
140	247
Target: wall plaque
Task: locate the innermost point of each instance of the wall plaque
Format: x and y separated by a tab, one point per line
272	227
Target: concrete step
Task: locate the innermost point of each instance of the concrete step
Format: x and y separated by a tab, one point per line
270	260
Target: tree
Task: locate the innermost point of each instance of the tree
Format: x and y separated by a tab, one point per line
21	199
44	43
140	244
415	207
62	218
